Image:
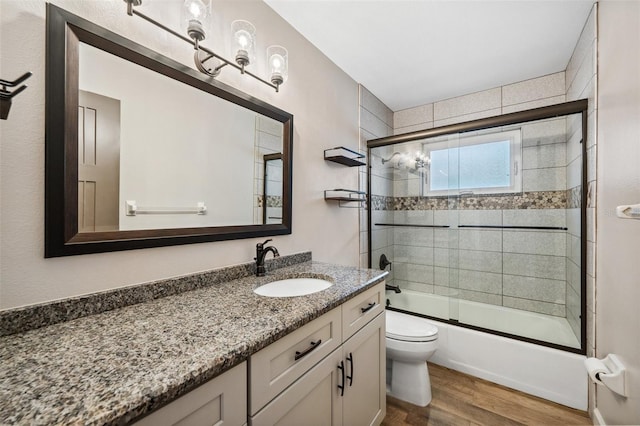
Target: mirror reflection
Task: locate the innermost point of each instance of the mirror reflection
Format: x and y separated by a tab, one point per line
155	153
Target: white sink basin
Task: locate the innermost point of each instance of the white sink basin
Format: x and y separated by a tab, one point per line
293	287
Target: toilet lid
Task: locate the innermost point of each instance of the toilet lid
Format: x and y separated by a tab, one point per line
409	328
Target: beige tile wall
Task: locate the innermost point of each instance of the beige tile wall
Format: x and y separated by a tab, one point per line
376	121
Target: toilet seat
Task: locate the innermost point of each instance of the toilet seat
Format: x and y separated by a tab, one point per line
409	328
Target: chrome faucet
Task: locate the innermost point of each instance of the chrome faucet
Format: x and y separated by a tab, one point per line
261	252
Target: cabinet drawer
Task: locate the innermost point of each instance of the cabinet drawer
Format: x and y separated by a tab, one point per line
361	309
275	367
312	400
220	401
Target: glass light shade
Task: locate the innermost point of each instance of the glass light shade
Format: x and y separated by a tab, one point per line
243	42
196	18
278	59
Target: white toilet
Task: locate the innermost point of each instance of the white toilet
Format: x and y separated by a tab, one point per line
410	341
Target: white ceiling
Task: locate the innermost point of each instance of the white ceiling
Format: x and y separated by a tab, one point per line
412	52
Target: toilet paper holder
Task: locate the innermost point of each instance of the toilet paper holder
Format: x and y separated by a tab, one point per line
609	372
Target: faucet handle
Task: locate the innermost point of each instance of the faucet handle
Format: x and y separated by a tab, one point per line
261	245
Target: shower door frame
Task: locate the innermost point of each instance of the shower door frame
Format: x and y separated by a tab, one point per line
552	111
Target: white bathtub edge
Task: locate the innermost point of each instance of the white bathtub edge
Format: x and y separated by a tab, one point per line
597	418
551	374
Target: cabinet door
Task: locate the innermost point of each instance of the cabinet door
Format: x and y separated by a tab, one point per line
220	401
364	401
312	400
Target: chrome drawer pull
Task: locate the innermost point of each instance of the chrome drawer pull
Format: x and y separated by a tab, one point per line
308	350
369	307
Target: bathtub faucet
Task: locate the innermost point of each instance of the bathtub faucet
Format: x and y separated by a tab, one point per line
392	287
261	252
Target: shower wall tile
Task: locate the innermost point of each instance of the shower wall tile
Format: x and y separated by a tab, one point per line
485	240
410	285
574	146
445	278
583	48
468	104
573	276
573	304
415	255
534	306
486	282
446	218
480	217
591	225
535	242
468	117
535	217
583	74
483	261
415	273
444	290
544	132
529	265
372	104
476	296
445	238
364	261
537	157
592	127
381	186
380	237
574	173
406	188
544	290
591	164
414	128
573	221
574	323
373	124
422	237
445	257
574	249
417	217
534	104
419	115
550	179
364	244
536	88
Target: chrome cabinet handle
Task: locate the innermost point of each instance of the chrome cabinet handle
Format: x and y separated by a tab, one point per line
313	346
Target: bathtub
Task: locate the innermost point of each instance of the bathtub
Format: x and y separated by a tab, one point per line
549	373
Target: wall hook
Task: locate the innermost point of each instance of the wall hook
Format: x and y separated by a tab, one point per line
6	95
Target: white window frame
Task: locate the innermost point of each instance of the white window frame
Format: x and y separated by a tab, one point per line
515	151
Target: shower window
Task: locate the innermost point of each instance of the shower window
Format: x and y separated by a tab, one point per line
483	164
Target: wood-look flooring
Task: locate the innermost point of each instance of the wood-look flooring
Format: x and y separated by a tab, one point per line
460	399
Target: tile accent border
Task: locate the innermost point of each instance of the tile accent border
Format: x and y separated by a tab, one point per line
522	200
27	318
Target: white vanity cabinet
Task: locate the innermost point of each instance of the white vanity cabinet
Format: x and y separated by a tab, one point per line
220	401
340	380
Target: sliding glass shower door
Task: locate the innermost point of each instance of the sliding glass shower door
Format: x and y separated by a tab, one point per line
484	226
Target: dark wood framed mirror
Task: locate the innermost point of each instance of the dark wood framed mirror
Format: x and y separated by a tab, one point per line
203	183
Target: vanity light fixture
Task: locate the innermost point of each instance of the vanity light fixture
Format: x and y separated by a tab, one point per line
196	17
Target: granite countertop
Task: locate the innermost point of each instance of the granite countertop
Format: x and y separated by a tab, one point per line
113	367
